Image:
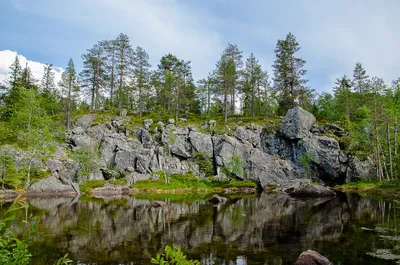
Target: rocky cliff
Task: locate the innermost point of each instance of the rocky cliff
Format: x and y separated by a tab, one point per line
297	150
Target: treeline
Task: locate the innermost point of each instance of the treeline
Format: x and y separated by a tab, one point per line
116	76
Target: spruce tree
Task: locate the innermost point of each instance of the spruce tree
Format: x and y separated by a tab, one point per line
233	52
48	89
253	76
93	75
70	87
141	73
289	73
360	79
124	55
15	73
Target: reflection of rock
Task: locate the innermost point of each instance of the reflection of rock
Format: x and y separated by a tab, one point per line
119	231
216	199
111	191
311	257
157	204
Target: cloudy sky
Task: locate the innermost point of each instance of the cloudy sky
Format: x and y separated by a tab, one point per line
334	35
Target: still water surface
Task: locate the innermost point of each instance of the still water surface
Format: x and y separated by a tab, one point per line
267	229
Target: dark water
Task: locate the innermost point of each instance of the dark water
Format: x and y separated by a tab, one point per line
268	229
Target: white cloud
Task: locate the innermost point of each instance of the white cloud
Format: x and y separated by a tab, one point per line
7	57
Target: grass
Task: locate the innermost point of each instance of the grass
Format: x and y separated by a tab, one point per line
383	189
89	185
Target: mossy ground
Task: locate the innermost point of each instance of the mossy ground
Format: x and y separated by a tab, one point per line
390	189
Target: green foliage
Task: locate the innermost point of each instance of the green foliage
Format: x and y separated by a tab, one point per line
119	181
240	184
235	166
86	158
88	185
173	256
64	260
13	250
305	162
205	163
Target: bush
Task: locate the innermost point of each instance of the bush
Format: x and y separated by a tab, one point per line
205	163
173	256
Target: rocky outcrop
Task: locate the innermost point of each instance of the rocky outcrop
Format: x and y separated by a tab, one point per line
311	257
249	152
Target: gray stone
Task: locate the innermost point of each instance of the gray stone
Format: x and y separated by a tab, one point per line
54	165
82	141
144	136
85	121
51	185
247	135
8	194
183	120
147	123
99	131
201	143
125	159
143	163
311	257
360	170
161	124
307	189
96	174
297	123
78	130
212	123
171	121
324	156
133	177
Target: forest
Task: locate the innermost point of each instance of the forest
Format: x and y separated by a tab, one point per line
117	78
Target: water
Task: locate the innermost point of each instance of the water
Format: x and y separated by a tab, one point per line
267	229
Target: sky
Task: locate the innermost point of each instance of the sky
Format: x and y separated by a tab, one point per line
333	35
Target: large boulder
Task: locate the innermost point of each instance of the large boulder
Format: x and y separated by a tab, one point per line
358	169
311	257
53	186
85	121
297	123
201	143
324	155
307	189
268	170
125	159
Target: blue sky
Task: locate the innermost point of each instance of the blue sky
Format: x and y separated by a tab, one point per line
334	35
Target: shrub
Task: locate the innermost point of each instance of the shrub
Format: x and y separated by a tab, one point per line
173	256
88	185
205	163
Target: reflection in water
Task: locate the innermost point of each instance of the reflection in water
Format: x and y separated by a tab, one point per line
271	229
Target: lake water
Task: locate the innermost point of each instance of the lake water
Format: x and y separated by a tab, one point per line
266	229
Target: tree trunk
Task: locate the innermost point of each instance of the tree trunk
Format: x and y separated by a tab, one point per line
112	77
389	147
121	75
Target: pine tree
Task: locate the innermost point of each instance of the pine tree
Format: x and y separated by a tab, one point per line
344	97
141	73
48	89
124	55
15	73
233	52
289	73
111	62
253	76
93	75
226	75
48	83
70	87
360	79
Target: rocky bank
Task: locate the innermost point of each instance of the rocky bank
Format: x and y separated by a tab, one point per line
252	152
